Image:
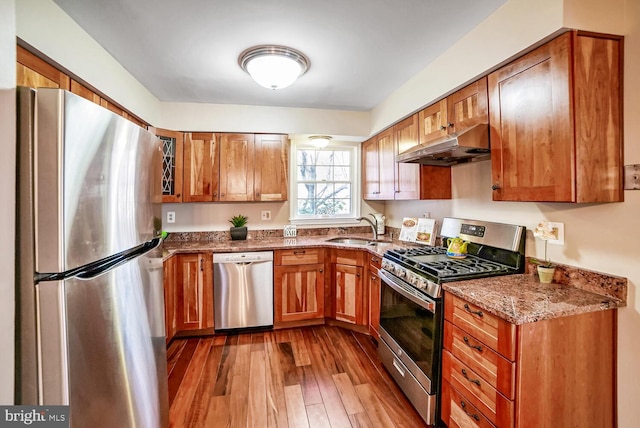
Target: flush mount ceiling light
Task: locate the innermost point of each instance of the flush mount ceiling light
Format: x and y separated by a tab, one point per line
274	67
320	141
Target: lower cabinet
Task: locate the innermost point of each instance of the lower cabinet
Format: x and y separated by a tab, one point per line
298	285
350	298
375	263
194	291
557	372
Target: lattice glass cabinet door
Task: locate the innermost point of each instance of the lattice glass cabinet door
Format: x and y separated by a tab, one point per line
172	145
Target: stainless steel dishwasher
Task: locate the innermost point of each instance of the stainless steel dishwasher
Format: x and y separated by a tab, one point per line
243	290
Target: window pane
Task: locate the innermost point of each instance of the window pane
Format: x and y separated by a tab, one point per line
341	173
342	190
324	190
343	206
306	190
324	173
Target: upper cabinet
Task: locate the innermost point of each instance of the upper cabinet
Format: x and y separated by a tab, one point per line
555	118
385	179
172	143
253	167
459	111
34	72
200	168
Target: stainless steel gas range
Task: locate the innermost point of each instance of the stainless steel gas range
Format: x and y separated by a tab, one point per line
411	305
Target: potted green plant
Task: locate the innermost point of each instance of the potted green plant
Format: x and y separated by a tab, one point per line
546	269
239	228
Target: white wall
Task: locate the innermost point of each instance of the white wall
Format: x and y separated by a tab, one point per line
599	237
7	208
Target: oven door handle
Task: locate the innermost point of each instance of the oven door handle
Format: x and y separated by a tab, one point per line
423	301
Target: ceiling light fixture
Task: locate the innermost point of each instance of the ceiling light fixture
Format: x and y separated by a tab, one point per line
320	141
274	67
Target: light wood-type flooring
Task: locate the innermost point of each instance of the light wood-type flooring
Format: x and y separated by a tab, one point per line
320	376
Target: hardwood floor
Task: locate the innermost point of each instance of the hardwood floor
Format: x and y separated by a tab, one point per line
319	376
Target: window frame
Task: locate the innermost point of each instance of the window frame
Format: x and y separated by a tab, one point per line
356	184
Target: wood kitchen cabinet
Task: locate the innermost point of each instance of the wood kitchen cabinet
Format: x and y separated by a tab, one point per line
385	179
299	286
556	122
172	151
242	178
169	281
350	297
372	278
34	72
201	167
555	372
461	110
194	291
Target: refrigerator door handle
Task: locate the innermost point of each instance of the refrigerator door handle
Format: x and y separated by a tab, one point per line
96	268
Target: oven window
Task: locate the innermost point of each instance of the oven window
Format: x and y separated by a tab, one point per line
414	328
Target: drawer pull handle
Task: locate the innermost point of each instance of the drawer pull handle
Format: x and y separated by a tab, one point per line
299	252
466	376
468	309
398	368
375	259
466	340
472	415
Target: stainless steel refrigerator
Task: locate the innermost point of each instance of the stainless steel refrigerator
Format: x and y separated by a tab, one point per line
89	302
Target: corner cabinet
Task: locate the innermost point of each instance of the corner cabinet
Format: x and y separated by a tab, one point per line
551	373
299	286
172	145
194	292
253	167
556	122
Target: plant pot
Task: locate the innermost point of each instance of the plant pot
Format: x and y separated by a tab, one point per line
238	233
546	274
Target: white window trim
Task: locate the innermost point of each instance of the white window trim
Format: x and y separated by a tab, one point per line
356	191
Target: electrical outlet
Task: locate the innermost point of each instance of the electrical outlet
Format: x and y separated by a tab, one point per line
171	217
266	215
558	229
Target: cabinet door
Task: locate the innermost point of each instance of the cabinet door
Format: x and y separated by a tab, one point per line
532	146
348	305
172	143
236	167
370	169
271	169
468	106
299	292
33	72
433	121
407	175
374	296
194	297
386	164
200	167
169	281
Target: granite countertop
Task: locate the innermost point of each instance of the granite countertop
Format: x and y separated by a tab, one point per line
522	298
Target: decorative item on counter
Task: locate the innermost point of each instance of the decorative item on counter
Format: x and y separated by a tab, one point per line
379	219
456	248
409	229
289	231
546	269
239	230
426	231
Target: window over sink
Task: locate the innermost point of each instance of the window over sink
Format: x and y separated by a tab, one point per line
325	182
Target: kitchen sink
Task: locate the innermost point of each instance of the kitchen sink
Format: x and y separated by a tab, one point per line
352	241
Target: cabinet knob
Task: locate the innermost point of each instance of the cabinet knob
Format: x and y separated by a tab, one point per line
258	194
201	265
450	125
321	270
443	128
221	194
495	187
215	193
177	195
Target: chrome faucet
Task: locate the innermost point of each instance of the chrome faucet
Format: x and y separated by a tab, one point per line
374	229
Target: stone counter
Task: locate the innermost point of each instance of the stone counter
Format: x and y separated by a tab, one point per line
522	298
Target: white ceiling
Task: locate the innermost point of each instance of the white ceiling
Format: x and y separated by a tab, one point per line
360	50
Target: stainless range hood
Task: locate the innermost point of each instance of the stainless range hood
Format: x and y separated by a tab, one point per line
469	145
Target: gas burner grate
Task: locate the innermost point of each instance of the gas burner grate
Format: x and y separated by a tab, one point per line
455	267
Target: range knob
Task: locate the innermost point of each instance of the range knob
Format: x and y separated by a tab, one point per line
401	272
422	284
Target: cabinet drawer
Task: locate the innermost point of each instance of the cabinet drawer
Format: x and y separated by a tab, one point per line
495	332
479	392
348	257
299	256
457	412
491	366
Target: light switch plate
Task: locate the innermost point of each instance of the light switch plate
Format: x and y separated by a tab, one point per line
632	177
171	217
266	215
559	232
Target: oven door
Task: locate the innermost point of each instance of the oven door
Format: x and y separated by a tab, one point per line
411	326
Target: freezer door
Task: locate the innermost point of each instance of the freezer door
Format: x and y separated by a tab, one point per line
103	346
98	182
